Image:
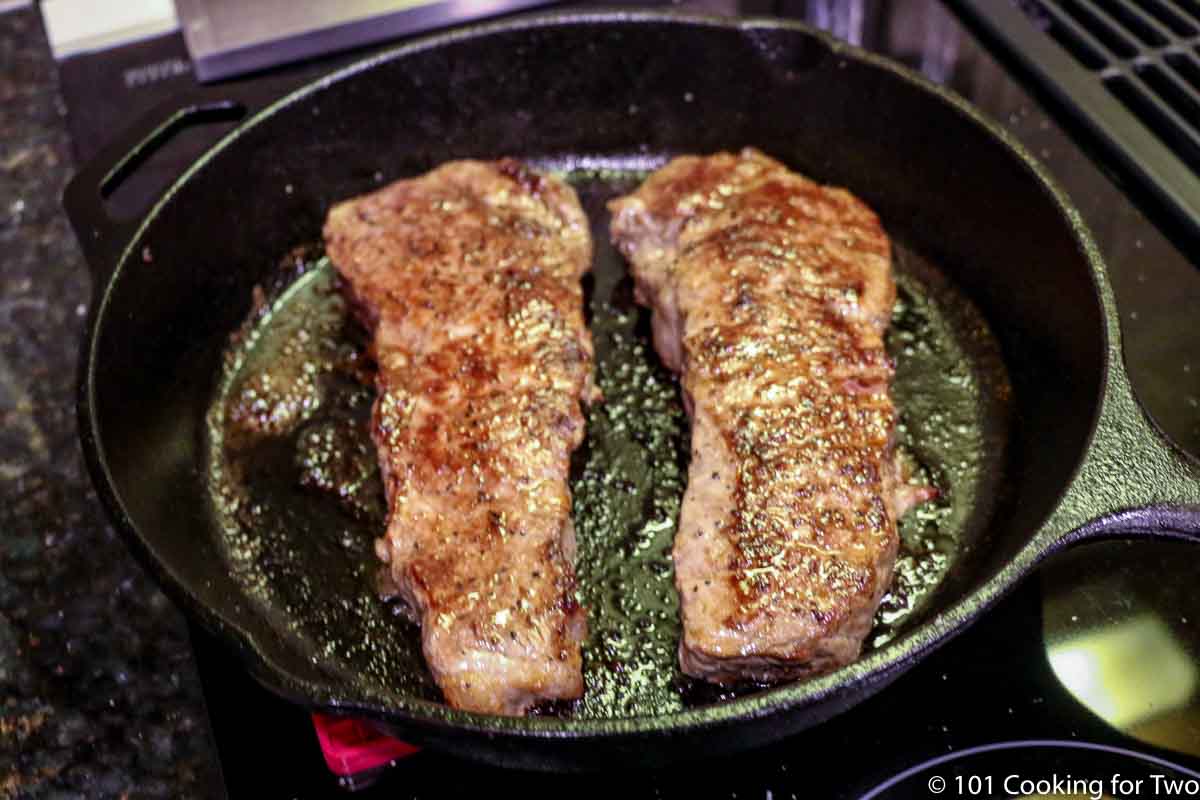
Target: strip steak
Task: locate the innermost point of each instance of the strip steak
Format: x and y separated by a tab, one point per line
469	279
771	295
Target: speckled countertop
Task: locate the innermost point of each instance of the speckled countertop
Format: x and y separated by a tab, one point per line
73	722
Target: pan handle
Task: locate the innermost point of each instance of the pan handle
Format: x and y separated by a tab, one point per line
1133	482
103	237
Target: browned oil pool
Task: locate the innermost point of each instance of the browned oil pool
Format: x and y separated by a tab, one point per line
298	498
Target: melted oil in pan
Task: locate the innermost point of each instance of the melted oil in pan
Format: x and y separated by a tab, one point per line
297	492
296	487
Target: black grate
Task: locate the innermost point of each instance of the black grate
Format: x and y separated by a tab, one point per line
1129	69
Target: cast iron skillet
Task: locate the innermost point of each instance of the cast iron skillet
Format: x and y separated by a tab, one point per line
610	90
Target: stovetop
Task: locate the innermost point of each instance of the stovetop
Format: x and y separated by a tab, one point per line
1103	646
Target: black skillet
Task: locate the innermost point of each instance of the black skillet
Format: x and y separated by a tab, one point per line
1066	454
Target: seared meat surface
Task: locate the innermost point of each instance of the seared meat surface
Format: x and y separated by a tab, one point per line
469	279
771	295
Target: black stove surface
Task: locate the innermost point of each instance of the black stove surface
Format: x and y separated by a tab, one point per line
1102	647
992	684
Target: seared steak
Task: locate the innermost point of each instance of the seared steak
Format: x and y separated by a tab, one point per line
469	279
771	295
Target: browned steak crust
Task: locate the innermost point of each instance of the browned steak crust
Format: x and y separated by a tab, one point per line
469	278
771	295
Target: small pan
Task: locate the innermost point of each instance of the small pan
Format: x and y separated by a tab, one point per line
1011	386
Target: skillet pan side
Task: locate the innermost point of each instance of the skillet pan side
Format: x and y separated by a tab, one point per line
570	88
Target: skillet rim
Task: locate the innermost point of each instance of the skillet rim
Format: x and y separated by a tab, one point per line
868	673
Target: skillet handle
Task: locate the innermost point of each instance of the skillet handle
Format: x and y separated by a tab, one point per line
102	236
1134	481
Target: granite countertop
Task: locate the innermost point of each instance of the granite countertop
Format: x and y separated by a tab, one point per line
73	721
